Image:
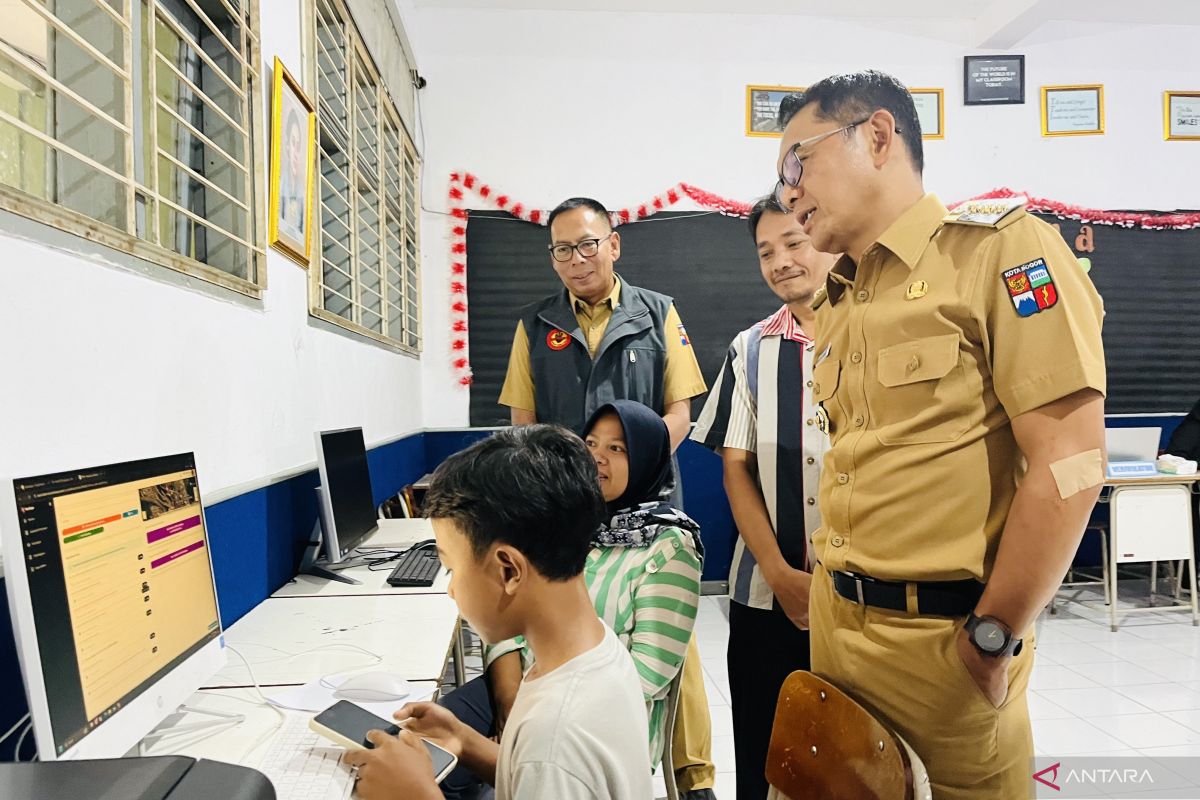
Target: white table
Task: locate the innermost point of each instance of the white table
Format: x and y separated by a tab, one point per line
1150	519
287	639
245	743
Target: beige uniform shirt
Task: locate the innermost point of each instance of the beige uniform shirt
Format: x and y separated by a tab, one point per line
682	378
942	334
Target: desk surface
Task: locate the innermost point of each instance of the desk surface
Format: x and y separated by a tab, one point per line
292	640
1153	480
247	742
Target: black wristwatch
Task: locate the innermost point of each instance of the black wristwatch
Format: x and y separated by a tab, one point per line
991	637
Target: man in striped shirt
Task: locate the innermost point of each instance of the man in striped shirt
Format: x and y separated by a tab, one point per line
761	419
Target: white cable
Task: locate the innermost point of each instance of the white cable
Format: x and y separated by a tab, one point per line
21	741
13	729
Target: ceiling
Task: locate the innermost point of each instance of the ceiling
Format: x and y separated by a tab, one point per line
996	23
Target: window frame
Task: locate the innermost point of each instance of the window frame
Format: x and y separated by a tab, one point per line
357	57
126	240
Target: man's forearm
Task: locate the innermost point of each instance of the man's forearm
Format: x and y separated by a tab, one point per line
521	416
678	417
750	516
1039	541
1063	444
479	755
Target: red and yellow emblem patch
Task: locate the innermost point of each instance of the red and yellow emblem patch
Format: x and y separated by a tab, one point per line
558	340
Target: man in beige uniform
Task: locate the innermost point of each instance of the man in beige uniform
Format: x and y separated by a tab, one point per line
961	375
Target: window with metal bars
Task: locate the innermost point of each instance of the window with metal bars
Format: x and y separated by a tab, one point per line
135	123
366	280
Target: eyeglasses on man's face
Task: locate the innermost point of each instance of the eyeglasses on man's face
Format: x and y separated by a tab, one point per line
587	248
792	168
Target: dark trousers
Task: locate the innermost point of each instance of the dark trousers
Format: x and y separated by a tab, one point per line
764	648
472	704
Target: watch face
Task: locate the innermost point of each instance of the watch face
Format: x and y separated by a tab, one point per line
988	636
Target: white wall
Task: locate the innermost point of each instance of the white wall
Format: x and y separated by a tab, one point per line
622	106
100	364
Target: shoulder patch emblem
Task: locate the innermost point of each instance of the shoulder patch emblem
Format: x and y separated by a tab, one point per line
988	213
558	340
1030	287
683	337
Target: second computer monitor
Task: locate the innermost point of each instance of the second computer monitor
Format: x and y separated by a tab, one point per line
348	511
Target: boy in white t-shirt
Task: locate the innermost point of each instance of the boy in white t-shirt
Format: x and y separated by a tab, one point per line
514	516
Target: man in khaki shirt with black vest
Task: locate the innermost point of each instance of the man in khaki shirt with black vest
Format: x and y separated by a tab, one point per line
961	375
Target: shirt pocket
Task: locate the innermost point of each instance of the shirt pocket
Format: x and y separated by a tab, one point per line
923	394
826	377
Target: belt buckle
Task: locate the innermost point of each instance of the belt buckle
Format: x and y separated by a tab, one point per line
858	586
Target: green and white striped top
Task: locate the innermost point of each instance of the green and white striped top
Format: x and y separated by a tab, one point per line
649	597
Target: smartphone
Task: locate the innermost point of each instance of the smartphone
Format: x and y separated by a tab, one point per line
347	724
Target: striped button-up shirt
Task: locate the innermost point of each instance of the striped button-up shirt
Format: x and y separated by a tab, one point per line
761	403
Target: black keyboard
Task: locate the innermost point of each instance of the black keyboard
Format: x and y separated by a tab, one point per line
416	568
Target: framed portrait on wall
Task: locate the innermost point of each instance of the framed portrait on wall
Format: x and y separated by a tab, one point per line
762	108
931	112
1181	116
293	166
1073	110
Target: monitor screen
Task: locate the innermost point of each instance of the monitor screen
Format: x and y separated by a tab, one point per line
349	513
117	586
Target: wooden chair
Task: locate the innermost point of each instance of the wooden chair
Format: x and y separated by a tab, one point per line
825	746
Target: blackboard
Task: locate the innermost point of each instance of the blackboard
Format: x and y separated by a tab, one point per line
1150	281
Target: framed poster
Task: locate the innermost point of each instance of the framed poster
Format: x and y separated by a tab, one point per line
762	108
1181	116
931	112
1073	110
993	80
293	164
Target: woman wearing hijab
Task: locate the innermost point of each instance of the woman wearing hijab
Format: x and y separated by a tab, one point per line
643	572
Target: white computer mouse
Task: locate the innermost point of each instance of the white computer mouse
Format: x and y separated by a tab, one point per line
373	687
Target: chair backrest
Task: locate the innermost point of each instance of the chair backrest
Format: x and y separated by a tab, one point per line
667	763
825	745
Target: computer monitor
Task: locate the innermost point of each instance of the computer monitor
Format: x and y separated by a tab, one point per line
348	513
113	604
1132	444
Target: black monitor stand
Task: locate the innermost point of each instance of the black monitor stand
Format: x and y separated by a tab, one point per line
312	562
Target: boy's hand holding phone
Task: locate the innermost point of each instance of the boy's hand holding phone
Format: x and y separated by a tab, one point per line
397	768
435	723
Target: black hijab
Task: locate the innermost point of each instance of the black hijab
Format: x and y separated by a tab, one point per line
638	514
648	448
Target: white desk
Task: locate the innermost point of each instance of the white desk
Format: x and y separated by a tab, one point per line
413	633
1150	519
370	582
245	743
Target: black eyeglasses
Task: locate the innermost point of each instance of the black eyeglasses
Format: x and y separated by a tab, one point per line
792	168
587	248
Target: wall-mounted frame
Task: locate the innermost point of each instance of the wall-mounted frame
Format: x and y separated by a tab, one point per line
762	108
993	80
1073	110
293	166
931	112
1181	116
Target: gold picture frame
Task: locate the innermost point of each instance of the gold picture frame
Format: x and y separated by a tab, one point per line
921	98
1073	110
762	109
1186	126
290	212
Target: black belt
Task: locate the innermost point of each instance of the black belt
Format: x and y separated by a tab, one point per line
935	598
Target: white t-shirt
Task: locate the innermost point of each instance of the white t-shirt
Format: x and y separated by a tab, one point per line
578	732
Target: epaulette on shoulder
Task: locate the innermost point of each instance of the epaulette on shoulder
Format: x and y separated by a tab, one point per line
819	298
998	213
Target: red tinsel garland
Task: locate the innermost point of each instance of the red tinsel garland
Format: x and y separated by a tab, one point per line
724	205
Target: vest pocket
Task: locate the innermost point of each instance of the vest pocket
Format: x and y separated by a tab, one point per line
641	373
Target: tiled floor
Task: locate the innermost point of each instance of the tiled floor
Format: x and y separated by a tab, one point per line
1094	692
